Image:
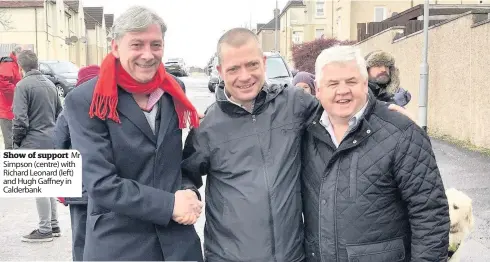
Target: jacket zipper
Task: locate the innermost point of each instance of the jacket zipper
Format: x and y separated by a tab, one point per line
335	214
319	220
254	120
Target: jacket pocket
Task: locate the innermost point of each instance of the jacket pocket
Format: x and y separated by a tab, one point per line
387	251
96	218
353	176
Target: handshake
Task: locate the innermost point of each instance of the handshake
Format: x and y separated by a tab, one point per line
187	207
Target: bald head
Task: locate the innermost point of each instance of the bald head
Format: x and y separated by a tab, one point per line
237	37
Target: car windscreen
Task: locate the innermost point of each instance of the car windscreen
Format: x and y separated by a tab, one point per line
275	68
63	67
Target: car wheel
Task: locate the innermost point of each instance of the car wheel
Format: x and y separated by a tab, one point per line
60	90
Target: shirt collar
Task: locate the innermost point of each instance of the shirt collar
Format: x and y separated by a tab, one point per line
235	103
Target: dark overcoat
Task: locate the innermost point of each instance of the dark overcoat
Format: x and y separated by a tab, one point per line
131	175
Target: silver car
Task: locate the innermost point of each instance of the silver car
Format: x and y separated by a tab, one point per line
276	71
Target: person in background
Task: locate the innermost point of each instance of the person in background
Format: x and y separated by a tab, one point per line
9	77
77	205
306	81
36	107
384	78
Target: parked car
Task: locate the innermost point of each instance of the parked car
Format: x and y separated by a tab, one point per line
277	70
63	74
214	78
176	67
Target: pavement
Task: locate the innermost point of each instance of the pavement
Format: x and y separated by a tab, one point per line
465	170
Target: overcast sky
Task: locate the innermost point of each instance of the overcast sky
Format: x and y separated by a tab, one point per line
196	41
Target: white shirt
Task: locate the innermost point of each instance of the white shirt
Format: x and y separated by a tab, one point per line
325	122
233	102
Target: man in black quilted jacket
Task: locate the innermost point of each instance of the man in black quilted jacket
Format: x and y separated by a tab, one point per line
370	182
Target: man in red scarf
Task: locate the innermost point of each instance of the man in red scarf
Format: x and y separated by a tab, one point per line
9	77
127	124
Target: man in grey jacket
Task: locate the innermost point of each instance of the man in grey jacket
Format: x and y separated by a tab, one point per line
248	144
36	107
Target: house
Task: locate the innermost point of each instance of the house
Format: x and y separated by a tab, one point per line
266	35
344	16
300	21
54	29
411	20
97	34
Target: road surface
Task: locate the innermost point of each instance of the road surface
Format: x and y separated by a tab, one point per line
464	170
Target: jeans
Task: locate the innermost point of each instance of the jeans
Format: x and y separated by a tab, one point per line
78	214
48	215
6	126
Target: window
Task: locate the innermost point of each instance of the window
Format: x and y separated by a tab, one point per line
275	68
67	23
297	37
318	33
319	8
339	26
379	14
63	67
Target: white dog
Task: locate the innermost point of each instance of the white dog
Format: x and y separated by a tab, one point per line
461	216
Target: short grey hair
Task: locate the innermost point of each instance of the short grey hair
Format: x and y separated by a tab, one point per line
28	60
236	37
136	19
340	54
17	49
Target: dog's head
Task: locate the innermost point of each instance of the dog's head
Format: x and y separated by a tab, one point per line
460	212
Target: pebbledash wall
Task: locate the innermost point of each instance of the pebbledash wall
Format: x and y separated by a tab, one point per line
459	74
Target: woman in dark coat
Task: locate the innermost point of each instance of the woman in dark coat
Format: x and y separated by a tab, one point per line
77	205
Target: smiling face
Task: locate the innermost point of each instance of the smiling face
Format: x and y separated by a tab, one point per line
342	90
242	69
140	53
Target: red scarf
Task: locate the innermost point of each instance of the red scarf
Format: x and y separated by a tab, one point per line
104	100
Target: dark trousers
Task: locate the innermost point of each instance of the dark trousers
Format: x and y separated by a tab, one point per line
78	214
6	126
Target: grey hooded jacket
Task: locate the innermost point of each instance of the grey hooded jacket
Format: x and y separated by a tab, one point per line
252	162
36	107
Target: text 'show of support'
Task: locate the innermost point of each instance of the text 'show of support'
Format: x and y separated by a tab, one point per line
40	173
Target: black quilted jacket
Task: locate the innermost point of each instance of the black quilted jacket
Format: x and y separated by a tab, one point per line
378	197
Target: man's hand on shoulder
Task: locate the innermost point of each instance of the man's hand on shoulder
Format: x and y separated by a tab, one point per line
402	111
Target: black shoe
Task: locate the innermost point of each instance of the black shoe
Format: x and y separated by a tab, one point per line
36	236
56	232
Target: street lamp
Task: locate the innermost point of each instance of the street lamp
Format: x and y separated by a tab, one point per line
424	72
